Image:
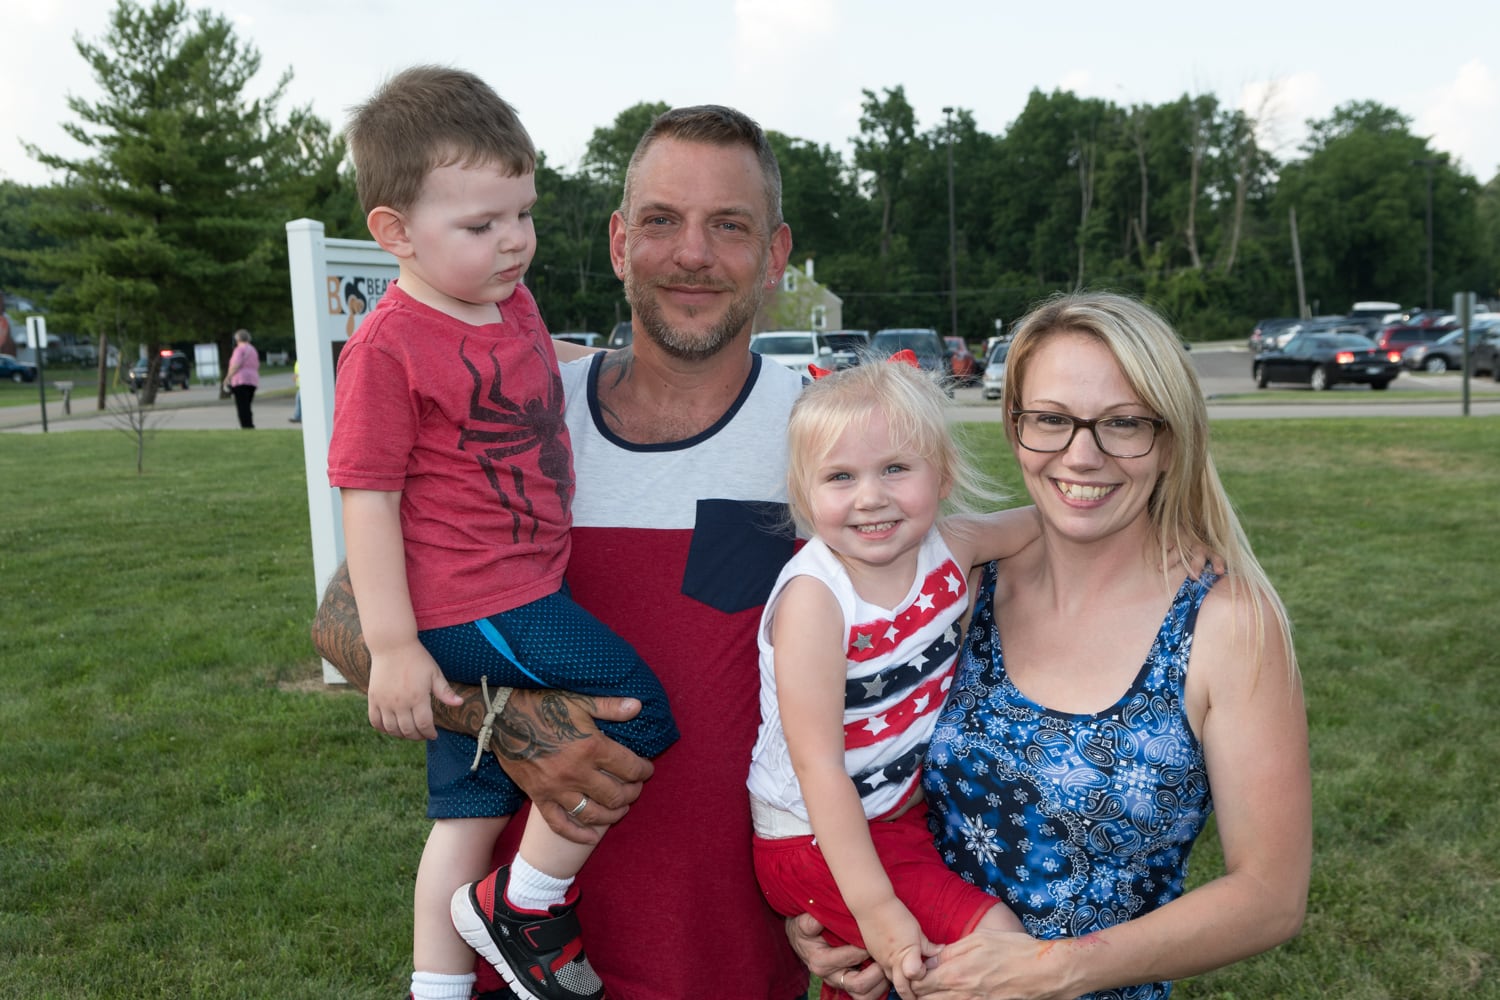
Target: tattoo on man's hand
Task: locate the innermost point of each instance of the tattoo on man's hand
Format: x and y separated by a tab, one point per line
520	736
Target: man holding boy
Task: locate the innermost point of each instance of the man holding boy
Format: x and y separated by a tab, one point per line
679	459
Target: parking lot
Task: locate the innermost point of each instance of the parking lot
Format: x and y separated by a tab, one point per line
1223	370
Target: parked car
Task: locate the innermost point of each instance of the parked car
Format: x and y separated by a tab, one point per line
794	348
583	339
1317	324
961	361
621	335
16	371
1322	360
1438	356
994	369
1399	336
929	348
1484	350
849	347
174	369
1266	330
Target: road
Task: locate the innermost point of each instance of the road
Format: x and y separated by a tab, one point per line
195	409
1223	371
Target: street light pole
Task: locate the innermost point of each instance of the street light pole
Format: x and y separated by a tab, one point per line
952	232
1428	163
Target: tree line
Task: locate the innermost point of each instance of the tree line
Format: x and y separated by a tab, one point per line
170	228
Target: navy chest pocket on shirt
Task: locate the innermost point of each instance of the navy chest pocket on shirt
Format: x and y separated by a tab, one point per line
737	551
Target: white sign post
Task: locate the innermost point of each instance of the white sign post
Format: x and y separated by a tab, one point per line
335	284
206	363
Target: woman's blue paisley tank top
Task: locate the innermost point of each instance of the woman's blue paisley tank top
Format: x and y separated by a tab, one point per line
1077	822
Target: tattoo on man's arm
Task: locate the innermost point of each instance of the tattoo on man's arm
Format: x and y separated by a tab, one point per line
521	736
517	734
336	633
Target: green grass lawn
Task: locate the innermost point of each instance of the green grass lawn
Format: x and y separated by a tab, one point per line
188	812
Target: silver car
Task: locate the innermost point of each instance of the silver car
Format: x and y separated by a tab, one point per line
994	370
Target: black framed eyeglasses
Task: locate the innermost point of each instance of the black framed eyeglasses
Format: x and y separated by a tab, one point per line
1118	435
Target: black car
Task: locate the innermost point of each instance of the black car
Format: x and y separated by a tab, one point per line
849	347
929	348
173	369
16	371
1322	360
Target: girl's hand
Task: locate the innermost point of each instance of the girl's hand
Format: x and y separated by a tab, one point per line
896	941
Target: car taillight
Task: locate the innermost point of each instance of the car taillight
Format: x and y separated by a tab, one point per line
1344	357
1393	356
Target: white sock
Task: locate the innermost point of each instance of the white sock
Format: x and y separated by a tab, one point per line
530	888
441	986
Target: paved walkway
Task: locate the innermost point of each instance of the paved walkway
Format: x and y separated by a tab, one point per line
196	409
200	407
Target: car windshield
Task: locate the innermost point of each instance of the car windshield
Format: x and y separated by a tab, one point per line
899	340
782	343
846	341
1353	342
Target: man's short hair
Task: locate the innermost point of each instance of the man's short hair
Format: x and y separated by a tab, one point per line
714	125
428	117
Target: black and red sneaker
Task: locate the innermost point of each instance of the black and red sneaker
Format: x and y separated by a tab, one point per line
540	956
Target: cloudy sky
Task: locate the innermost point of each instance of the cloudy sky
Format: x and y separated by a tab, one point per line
799	66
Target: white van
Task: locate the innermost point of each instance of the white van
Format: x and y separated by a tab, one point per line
1385	312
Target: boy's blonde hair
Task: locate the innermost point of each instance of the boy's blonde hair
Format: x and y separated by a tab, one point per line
428	117
914	404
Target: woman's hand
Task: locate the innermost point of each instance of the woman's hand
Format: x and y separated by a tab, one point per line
843	967
994	965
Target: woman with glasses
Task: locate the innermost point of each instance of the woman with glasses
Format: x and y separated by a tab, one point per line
1122	678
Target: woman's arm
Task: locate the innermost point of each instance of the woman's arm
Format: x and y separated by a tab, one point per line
811	669
234	365
1254	731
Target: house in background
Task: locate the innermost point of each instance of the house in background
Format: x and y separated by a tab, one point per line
800	303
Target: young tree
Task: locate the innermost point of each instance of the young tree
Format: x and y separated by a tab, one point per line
884	150
172	228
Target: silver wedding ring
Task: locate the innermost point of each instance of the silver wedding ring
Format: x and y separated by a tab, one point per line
583	804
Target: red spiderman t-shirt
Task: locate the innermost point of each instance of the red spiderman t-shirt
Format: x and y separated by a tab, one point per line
466	422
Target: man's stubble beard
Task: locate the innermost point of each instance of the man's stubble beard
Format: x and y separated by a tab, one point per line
681	344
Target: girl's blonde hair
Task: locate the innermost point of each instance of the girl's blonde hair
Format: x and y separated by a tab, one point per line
1192	515
914	404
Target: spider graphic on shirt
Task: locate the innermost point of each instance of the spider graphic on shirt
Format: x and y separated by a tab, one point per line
519	426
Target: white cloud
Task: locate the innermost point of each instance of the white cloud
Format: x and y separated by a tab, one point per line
1461	118
1281	108
1079	81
